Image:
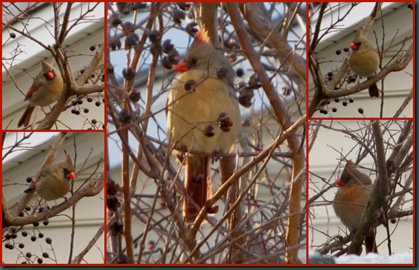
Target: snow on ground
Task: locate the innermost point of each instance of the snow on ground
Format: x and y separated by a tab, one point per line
371	258
374	258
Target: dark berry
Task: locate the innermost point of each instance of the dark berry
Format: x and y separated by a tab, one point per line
224	122
190	28
128	73
110	69
166	62
178	15
361	111
154	36
134	95
209	130
92	48
239	72
12	35
184	6
189	85
125	116
115	20
167	46
48	240
254	81
338	52
245	96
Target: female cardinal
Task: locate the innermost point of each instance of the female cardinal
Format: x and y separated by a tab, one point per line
54	180
203	117
46	89
364	61
351	199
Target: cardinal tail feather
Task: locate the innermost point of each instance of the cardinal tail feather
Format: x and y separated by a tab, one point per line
26	117
370	244
373	90
196	183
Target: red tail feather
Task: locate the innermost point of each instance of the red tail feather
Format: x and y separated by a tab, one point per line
196	181
370	244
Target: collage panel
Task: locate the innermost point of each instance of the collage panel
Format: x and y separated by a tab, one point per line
361	191
202	101
220	143
53	198
361	60
52	56
53	181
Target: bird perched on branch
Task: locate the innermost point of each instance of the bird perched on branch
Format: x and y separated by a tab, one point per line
45	90
203	118
351	199
54	180
364	61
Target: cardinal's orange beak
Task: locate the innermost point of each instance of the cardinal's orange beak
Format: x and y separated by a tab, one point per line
339	183
180	67
71	175
353	46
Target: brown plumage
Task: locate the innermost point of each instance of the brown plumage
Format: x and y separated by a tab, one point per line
351	199
202	115
45	90
54	180
364	61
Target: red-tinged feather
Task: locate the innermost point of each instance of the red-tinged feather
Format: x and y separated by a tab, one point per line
196	178
30	93
26	117
202	36
370	244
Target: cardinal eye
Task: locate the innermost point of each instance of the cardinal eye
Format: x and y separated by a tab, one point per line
358	44
194	61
